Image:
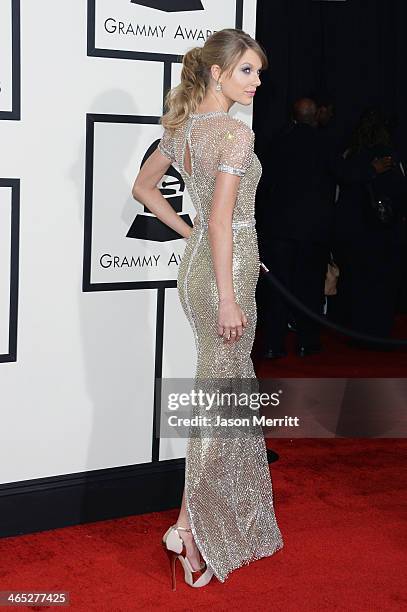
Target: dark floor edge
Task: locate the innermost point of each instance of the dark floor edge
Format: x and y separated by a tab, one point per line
48	503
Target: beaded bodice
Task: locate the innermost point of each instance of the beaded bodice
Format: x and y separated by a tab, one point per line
216	142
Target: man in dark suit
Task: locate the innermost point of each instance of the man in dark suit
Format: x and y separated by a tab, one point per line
296	226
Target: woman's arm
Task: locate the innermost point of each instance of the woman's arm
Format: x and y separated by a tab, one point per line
220	233
360	168
145	190
231	319
235	157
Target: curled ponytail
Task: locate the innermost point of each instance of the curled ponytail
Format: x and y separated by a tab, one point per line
185	98
223	48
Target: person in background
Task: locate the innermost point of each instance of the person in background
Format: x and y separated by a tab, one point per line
295	230
369	252
325	110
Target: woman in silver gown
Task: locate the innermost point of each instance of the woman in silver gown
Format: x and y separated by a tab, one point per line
227	515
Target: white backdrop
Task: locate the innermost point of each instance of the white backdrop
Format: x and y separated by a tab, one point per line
78	394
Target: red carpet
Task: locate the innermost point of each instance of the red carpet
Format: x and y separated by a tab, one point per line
340	504
340	507
336	360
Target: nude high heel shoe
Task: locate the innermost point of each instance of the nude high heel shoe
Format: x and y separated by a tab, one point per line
175	548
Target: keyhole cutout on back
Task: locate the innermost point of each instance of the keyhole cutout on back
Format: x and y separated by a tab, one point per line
187	160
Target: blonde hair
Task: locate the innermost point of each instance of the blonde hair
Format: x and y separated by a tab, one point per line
223	48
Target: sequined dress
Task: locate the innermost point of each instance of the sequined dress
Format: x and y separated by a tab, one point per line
228	489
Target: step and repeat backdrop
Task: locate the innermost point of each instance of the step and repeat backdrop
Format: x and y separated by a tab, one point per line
89	311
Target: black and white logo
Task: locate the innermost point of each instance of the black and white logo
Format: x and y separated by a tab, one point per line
126	246
10	59
147	226
171	6
158	29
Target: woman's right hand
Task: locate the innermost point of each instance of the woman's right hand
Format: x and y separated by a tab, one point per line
231	321
383	164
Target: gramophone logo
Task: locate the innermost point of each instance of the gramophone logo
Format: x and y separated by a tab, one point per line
171	6
147	226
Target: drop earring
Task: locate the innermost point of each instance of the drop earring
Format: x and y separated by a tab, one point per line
218	86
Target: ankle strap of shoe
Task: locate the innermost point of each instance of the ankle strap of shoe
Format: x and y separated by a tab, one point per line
183	528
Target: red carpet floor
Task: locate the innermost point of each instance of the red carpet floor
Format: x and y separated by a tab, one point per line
340	503
341	507
337	359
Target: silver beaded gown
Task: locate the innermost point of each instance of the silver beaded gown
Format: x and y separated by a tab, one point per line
228	489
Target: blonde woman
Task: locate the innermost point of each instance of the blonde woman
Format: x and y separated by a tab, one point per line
227	515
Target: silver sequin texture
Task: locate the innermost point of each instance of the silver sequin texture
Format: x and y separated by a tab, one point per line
229	495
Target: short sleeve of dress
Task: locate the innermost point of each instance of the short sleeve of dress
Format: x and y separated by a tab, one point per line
166	145
237	149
